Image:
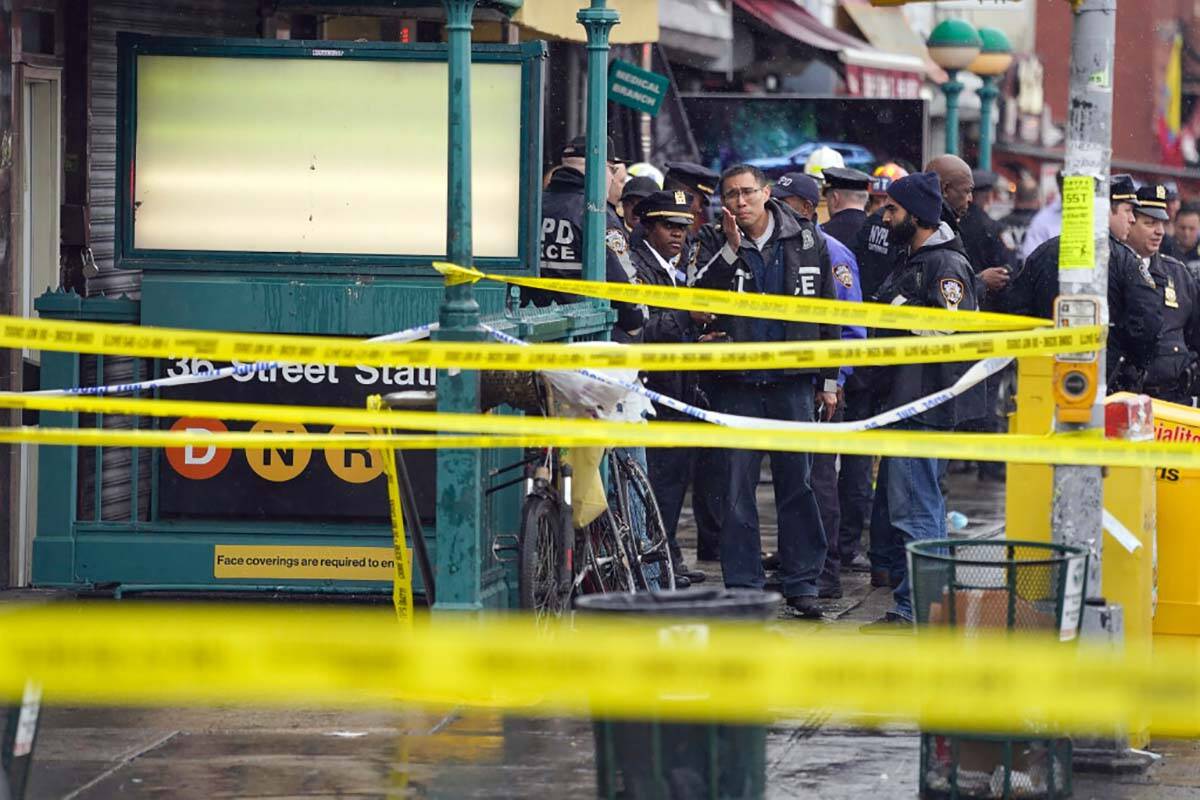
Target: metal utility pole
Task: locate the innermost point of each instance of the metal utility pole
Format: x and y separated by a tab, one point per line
1078	500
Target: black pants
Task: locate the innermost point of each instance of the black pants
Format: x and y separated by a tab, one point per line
825	487
670	470
855	492
709	485
801	537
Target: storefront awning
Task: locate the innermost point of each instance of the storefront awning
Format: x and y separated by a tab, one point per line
556	19
888	29
701	28
870	71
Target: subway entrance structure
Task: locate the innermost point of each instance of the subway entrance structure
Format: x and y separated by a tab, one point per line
307	187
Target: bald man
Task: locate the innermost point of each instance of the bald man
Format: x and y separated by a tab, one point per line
957	186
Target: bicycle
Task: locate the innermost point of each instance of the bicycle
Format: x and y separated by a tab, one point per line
557	562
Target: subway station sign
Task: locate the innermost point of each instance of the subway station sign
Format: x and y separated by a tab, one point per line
287	482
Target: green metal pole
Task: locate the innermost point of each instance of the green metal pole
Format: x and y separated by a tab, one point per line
460	518
459	309
987	100
598	22
952	89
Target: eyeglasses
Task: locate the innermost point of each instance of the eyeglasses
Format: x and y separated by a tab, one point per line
733	194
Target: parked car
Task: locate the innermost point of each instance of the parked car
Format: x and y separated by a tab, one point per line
855	155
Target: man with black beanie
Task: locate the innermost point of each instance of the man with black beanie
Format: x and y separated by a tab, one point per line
934	273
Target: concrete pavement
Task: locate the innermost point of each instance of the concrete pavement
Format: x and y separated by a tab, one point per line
96	753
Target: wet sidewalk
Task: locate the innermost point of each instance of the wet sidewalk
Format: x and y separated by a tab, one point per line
188	754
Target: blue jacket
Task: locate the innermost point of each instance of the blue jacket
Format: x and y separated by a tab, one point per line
847	287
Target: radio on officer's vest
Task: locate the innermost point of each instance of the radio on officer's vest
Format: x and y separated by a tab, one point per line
1076	375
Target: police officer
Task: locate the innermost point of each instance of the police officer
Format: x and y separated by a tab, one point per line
760	247
983	240
1172	372
700	183
846	194
666	218
1135	310
709	481
1187	236
935	273
801	193
562	239
635	191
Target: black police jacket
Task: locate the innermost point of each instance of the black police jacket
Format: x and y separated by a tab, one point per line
845	225
981	238
806	272
938	275
562	251
875	254
666	325
1135	308
1170	373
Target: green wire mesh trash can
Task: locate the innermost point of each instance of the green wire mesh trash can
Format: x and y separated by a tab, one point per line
999	585
644	759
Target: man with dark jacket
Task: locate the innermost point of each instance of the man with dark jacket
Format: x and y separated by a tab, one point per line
562	240
665	219
761	247
936	273
1171	374
1135	309
846	195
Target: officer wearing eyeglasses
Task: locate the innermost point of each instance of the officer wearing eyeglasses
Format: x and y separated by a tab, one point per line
761	248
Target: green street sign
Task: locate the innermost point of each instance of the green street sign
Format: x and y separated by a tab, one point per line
635	87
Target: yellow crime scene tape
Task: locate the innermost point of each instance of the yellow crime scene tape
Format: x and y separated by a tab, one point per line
149	342
245	654
402	596
495	430
770	306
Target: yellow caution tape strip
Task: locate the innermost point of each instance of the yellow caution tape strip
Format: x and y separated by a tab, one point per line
178	654
402	595
767	306
491	431
106	338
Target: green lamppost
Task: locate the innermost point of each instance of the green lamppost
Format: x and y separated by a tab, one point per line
598	22
953	45
990	65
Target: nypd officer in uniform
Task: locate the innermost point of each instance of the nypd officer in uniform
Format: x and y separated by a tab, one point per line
1172	372
1135	309
935	273
801	193
562	240
760	247
708	485
665	219
846	195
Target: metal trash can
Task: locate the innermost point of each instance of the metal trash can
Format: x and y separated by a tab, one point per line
643	759
1003	585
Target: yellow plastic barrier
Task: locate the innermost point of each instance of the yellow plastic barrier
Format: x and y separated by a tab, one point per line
1178	529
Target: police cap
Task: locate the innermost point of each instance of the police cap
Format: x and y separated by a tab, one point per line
1122	189
797	184
666	207
845	178
577	148
700	179
1152	201
638	188
984	179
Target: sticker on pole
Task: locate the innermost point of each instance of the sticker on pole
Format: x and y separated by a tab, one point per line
1072	606
1077	249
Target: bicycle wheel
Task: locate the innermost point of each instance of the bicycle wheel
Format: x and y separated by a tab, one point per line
538	586
651	554
608	562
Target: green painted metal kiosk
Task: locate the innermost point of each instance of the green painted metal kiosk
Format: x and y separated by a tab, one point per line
305	188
